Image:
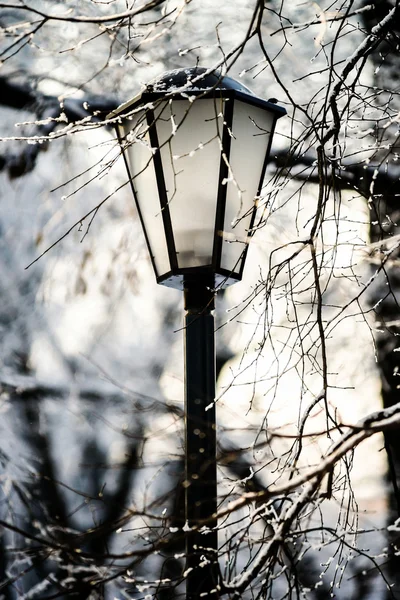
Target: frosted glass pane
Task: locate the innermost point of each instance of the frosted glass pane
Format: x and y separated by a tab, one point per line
145	185
251	130
191	162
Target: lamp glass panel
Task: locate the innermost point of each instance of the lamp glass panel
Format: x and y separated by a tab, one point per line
251	129
140	159
189	137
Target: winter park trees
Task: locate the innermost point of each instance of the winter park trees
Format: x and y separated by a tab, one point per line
91	358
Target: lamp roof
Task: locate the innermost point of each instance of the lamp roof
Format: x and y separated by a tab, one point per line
195	81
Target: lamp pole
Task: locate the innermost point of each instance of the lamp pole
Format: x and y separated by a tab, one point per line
196	145
200	450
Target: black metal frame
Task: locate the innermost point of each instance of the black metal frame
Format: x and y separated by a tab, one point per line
162	192
176	276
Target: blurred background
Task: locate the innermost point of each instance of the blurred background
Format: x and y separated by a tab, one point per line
91	349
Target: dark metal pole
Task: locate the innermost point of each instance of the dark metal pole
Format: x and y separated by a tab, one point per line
200	455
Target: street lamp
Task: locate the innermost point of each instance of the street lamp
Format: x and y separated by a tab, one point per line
196	146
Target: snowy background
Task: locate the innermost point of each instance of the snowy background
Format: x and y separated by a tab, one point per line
88	322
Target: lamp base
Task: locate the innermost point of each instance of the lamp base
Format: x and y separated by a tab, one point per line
199	294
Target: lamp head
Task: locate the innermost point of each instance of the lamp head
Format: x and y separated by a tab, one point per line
196	146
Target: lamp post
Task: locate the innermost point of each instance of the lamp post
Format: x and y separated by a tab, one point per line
196	146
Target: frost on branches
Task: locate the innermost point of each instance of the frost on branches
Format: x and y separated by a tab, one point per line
91	360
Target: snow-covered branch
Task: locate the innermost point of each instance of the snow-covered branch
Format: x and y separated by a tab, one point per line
380	421
74	18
